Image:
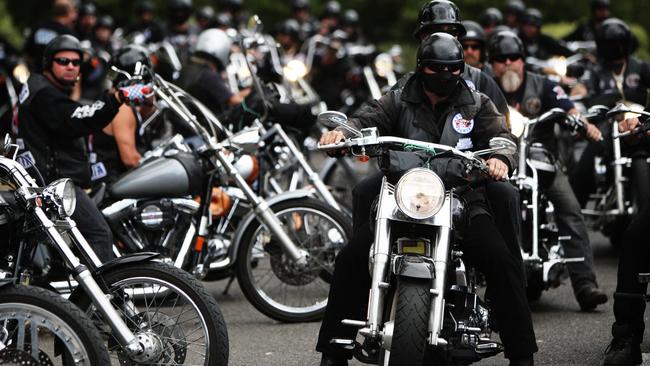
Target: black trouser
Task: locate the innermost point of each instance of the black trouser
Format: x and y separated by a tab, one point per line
484	248
634	259
92	226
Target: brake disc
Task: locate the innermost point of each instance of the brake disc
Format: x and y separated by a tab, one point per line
14	357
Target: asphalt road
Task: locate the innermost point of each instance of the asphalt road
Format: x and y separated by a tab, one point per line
565	335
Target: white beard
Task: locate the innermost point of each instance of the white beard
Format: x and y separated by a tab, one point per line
510	81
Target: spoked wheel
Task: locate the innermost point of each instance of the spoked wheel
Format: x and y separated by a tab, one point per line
272	282
174	318
39	327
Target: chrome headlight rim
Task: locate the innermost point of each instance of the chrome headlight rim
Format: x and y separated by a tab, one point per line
61	196
408	180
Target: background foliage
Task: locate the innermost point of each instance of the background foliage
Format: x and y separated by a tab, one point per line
384	21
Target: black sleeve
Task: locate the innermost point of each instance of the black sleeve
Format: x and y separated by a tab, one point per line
216	88
68	118
381	113
490	123
554	47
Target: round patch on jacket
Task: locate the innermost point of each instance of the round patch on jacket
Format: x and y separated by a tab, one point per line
462	125
632	80
533	106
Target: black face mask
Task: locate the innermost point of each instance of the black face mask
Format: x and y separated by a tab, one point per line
441	83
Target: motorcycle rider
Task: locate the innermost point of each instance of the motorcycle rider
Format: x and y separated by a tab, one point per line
618	76
146	24
288	37
473	42
512	14
491	19
301	13
205	17
64	15
51	127
531	94
86	20
629	305
180	32
437	93
536	43
329	18
586	31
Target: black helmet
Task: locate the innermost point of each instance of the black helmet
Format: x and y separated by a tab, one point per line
233	5
533	16
440	48
438	12
144	6
205	12
87	9
127	57
63	42
515	7
614	40
331	10
300	5
105	21
474	32
491	16
505	43
290	27
351	18
600	4
179	11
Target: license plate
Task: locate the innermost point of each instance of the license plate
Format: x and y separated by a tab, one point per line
413	246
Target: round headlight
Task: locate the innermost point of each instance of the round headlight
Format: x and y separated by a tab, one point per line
517	122
61	195
420	193
295	70
383	64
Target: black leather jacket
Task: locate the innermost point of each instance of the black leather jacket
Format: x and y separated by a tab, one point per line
52	127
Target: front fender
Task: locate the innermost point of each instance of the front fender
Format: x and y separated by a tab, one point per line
413	267
250	217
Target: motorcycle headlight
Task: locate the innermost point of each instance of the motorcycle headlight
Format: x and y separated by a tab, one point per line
21	73
420	193
295	70
558	65
60	195
383	64
517	122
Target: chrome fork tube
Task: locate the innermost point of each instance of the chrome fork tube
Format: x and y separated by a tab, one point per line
535	201
437	312
86	280
314	178
264	212
618	170
381	261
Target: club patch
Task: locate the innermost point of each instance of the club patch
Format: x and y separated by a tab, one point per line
464	143
533	106
462	125
632	80
471	85
24	93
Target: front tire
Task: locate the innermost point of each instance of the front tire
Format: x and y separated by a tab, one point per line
411	321
268	278
152	293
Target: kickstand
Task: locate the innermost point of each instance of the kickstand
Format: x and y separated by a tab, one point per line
230	281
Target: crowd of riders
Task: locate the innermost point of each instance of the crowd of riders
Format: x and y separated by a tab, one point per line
80	53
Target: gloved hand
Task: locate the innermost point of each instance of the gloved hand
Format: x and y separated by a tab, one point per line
135	94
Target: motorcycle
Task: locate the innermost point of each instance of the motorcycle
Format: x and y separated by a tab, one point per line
422	292
615	201
542	252
37	326
281	250
179	323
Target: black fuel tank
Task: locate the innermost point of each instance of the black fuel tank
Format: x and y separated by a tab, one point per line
164	177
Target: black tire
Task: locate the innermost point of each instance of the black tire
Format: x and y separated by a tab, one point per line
84	329
409	343
263	301
205	304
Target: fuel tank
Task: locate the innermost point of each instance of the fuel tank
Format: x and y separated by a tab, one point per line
178	175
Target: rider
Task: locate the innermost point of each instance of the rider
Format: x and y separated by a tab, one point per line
618	76
473	42
536	43
86	20
586	31
146	24
51	128
205	17
437	94
512	14
629	325
532	94
64	15
491	19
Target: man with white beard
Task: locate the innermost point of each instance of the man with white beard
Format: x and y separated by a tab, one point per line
532	94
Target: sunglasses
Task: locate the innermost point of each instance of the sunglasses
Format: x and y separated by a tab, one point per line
472	46
504	58
64	61
436	67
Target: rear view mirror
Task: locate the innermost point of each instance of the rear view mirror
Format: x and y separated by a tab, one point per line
334	119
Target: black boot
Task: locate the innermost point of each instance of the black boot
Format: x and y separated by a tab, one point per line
522	361
625	349
333	361
590	297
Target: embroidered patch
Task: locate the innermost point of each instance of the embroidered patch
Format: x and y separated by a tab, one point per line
471	85
88	111
632	80
24	93
559	93
462	125
464	143
533	106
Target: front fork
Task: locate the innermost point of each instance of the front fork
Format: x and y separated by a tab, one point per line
84	277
